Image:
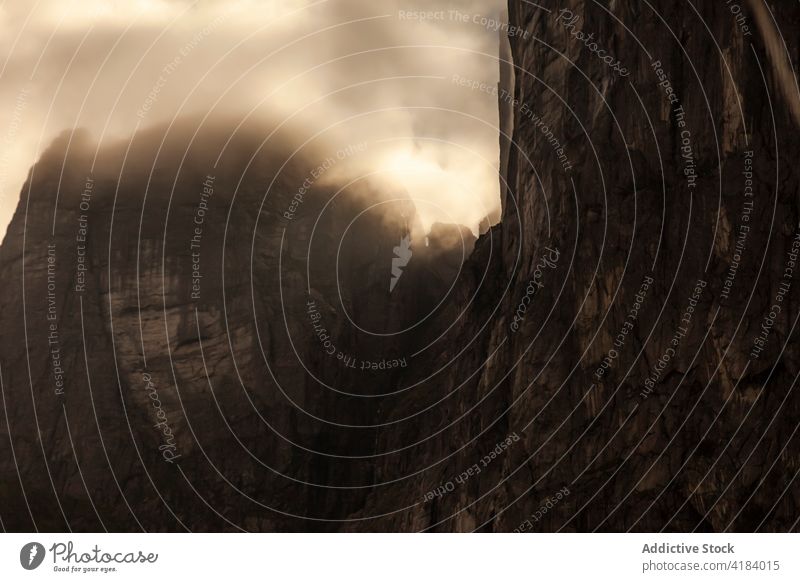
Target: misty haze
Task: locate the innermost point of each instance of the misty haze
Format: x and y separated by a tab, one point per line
399	266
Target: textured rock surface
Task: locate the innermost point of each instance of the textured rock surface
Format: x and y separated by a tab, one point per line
184	403
711	445
522	402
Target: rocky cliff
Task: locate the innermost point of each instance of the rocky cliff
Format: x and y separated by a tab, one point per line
194	340
636	327
181	344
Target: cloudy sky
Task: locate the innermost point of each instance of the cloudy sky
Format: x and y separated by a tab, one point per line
374	72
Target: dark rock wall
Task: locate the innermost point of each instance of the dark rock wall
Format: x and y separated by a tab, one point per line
179	340
606	361
651	201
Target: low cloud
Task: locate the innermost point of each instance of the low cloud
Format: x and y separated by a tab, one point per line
342	72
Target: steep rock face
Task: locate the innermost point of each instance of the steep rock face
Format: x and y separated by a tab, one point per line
641	249
599	363
178	349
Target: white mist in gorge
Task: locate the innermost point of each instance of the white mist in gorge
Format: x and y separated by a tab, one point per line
376	76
